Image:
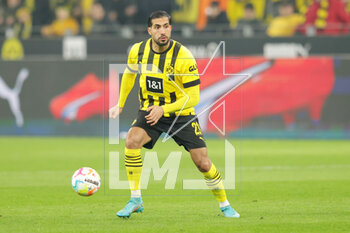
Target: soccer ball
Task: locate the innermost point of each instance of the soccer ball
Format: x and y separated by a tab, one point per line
86	181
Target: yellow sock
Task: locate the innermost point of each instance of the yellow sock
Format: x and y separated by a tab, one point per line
133	164
214	182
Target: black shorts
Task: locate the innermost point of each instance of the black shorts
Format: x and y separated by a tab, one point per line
190	136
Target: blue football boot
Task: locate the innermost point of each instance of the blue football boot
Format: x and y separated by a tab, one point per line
135	205
229	212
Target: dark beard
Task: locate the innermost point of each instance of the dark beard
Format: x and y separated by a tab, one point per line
160	44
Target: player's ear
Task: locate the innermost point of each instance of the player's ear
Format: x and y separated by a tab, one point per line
149	31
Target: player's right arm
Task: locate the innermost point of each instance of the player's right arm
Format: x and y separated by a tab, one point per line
128	81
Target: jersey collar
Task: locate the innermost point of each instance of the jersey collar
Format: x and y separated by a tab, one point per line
171	45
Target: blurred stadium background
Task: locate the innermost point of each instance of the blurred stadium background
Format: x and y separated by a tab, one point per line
54	68
49	48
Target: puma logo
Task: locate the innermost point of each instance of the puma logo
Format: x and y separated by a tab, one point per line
12	95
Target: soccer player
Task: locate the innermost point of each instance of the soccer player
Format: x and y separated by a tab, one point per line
169	87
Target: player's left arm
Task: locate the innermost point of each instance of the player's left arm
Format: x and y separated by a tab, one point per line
190	99
188	74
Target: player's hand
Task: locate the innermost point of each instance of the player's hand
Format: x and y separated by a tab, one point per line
115	111
155	113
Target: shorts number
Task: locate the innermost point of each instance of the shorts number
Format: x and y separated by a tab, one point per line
197	129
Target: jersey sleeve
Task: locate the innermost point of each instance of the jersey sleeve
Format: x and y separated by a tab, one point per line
187	68
129	75
133	58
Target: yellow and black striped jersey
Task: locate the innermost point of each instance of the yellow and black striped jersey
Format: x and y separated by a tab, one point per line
169	79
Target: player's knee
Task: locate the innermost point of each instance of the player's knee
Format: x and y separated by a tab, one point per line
133	143
205	165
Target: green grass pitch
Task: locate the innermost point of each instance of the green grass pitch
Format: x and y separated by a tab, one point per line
282	186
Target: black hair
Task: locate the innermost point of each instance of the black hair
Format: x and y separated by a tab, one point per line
249	6
157	15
